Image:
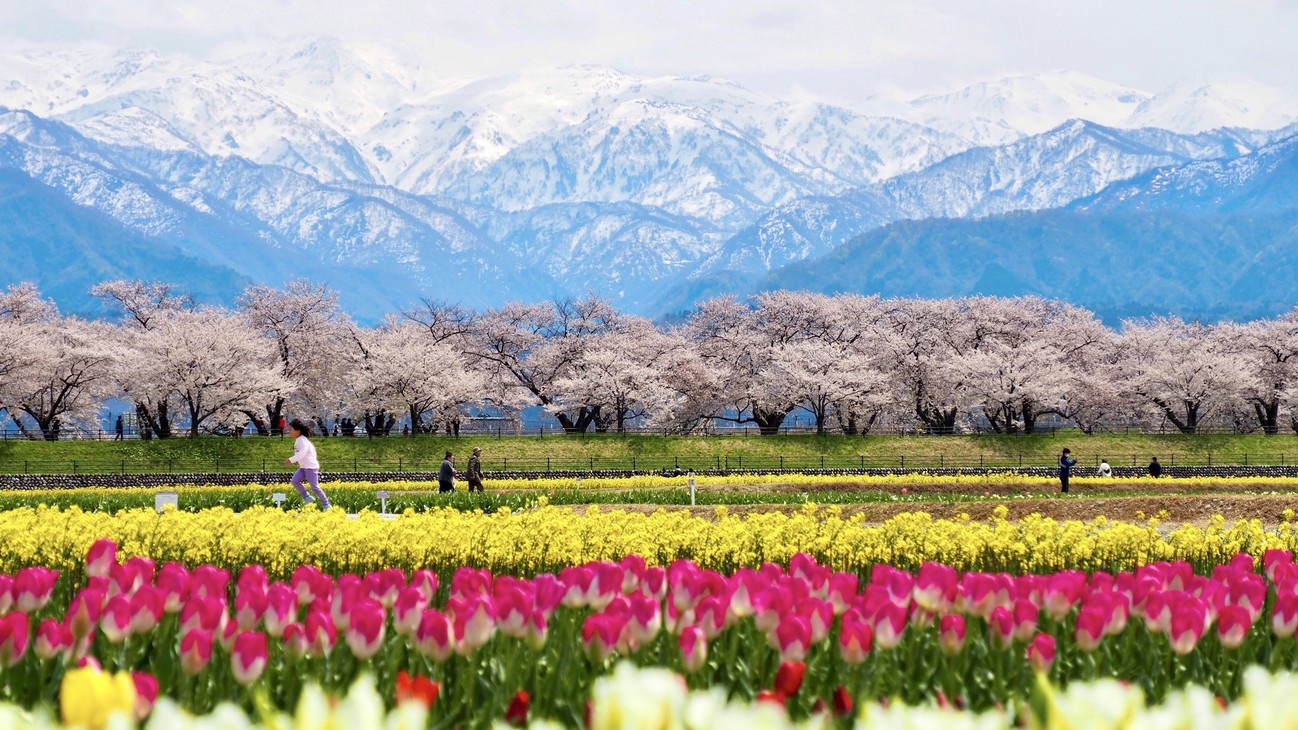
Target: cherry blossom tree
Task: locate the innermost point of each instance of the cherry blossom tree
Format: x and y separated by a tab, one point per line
1269	351
139	304
312	340
1186	370
212	362
59	374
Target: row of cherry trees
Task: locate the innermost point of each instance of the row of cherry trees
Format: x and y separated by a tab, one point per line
852	363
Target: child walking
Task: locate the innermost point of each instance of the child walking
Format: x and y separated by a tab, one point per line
308	466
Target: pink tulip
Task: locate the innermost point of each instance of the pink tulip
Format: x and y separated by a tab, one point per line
645	620
855	638
253	576
146	693
100	557
173	582
1089	631
1041	652
123	580
1001	627
951	633
935	587
321	633
210	581
53	640
426	581
1062	592
633	567
1272	560
694	649
385	586
116	620
600	634
83	612
1248	590
281	609
819	615
769	605
1025	619
250	601
409	610
202	613
347	591
889	624
549	593
710	617
537	631
1189	621
654	582
296	643
475	623
229	632
468	581
686	583
743	584
306	582
365	632
1233	623
14	631
33	587
1284	618
435	636
793	638
148	606
1243	563
195	651
248	657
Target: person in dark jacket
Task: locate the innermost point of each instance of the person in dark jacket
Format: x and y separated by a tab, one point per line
1066	464
446	475
474	474
1155	468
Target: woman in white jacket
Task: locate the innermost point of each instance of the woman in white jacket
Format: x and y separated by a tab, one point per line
308	466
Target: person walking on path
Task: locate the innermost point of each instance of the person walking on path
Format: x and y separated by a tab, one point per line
446	475
308	465
1105	470
1066	464
119	429
1155	468
474	474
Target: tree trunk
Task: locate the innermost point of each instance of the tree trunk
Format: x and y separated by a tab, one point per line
768	422
939	420
1268	415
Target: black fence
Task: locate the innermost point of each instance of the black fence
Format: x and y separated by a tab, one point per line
637	465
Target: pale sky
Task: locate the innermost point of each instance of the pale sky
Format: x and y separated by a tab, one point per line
840	51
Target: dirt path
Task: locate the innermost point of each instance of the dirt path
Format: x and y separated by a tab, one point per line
1193	509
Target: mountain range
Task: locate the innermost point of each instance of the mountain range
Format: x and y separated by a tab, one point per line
357	167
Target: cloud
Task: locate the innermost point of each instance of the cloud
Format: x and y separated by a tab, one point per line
839	49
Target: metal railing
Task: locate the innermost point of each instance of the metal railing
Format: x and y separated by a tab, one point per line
637	464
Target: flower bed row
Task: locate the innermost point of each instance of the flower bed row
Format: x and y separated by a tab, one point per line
634	698
494	646
551	538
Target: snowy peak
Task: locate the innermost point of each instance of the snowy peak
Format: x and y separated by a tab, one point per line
1223	102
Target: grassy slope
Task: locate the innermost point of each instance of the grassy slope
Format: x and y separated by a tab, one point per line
613	451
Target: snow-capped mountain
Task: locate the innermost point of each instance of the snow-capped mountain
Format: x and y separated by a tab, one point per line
358	164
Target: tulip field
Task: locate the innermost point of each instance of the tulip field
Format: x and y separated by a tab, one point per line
539	615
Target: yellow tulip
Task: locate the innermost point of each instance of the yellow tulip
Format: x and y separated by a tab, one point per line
88	697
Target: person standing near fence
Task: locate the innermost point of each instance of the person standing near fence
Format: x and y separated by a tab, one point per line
1155	468
119	429
475	471
308	465
1104	470
446	475
1066	464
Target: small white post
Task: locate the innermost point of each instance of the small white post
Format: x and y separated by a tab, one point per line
383	496
691	489
278	498
162	499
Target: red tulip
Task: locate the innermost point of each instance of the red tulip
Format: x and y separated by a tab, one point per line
788	678
1041	652
100	557
516	714
195	651
842	701
414	688
14	630
694	648
248	657
770	695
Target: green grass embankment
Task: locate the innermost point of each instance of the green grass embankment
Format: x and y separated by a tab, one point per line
612	451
